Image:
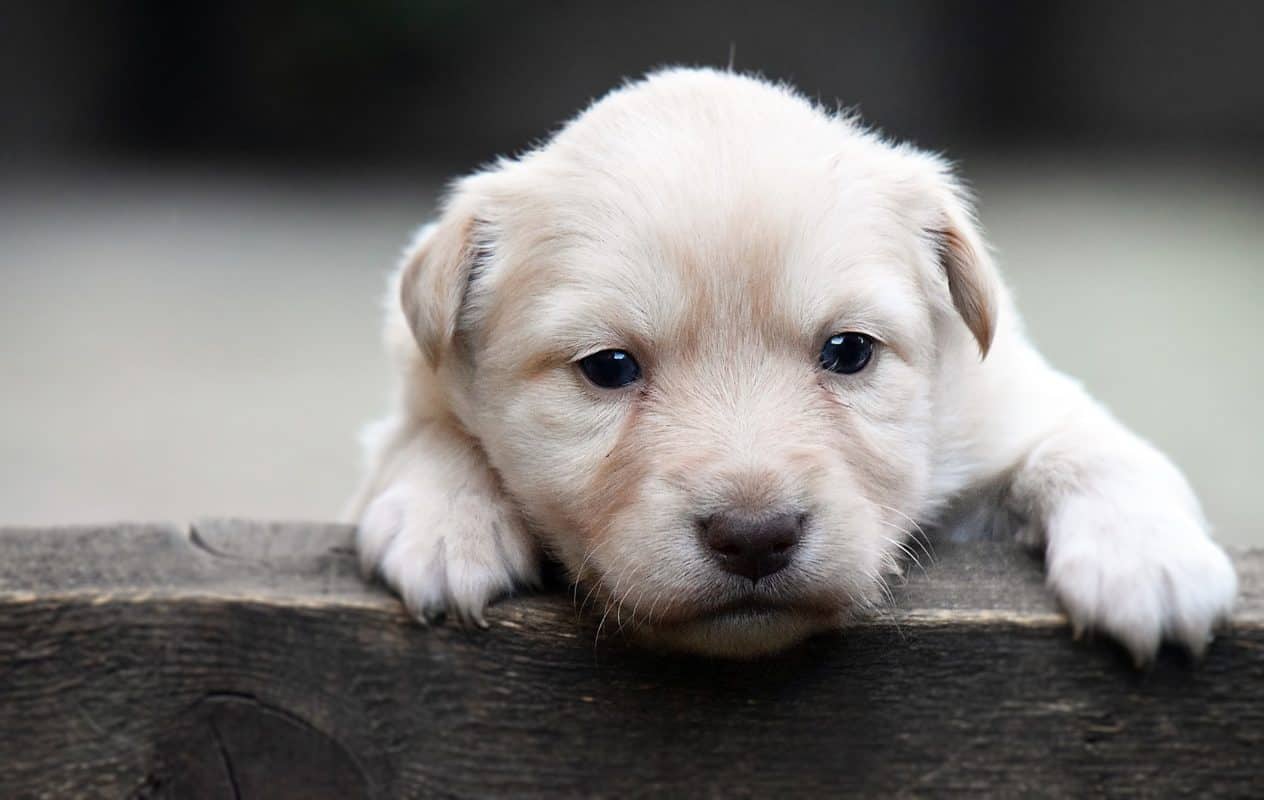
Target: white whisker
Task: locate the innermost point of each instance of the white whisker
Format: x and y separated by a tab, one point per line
924	542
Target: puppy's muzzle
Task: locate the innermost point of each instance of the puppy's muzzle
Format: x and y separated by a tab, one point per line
750	545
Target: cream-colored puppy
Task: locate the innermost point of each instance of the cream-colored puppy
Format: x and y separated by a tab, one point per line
720	351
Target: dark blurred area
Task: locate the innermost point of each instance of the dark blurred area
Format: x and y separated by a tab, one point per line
446	81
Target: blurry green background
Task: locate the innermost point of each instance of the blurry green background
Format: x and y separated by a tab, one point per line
199	206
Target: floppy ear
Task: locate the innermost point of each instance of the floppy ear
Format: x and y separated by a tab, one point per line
437	269
973	282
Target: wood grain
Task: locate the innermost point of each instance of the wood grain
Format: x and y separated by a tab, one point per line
239	659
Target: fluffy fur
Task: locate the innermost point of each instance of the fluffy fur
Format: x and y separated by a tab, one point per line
720	228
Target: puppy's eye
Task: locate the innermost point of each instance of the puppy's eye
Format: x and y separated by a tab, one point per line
847	353
610	369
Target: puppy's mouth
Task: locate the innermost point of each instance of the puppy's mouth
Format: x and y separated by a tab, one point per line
745	627
736	623
753	608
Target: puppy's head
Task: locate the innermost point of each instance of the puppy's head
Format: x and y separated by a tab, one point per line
699	335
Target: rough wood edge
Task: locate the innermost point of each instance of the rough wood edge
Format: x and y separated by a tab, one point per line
311	565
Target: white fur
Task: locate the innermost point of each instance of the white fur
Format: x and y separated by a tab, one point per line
720	228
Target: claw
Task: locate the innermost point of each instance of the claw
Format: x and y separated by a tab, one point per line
1198	647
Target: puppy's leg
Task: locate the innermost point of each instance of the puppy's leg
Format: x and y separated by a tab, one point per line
435	524
1127	547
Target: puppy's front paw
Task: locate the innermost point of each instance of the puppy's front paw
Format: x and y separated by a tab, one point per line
450	554
1141	573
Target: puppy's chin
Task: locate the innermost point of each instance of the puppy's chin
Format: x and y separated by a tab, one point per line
739	633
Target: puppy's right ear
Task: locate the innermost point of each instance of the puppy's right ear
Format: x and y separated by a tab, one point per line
948	221
437	269
972	279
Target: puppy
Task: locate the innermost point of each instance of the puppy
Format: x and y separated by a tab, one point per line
720	352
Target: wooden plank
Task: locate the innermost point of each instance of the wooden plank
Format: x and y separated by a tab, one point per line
241	659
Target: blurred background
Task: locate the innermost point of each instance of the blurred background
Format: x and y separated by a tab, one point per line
199	204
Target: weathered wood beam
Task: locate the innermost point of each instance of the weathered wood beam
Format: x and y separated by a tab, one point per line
239	659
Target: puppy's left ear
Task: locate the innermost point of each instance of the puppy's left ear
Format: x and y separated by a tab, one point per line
436	273
963	256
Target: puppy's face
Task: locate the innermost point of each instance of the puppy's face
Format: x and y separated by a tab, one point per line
699	337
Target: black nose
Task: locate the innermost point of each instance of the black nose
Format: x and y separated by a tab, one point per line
750	545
